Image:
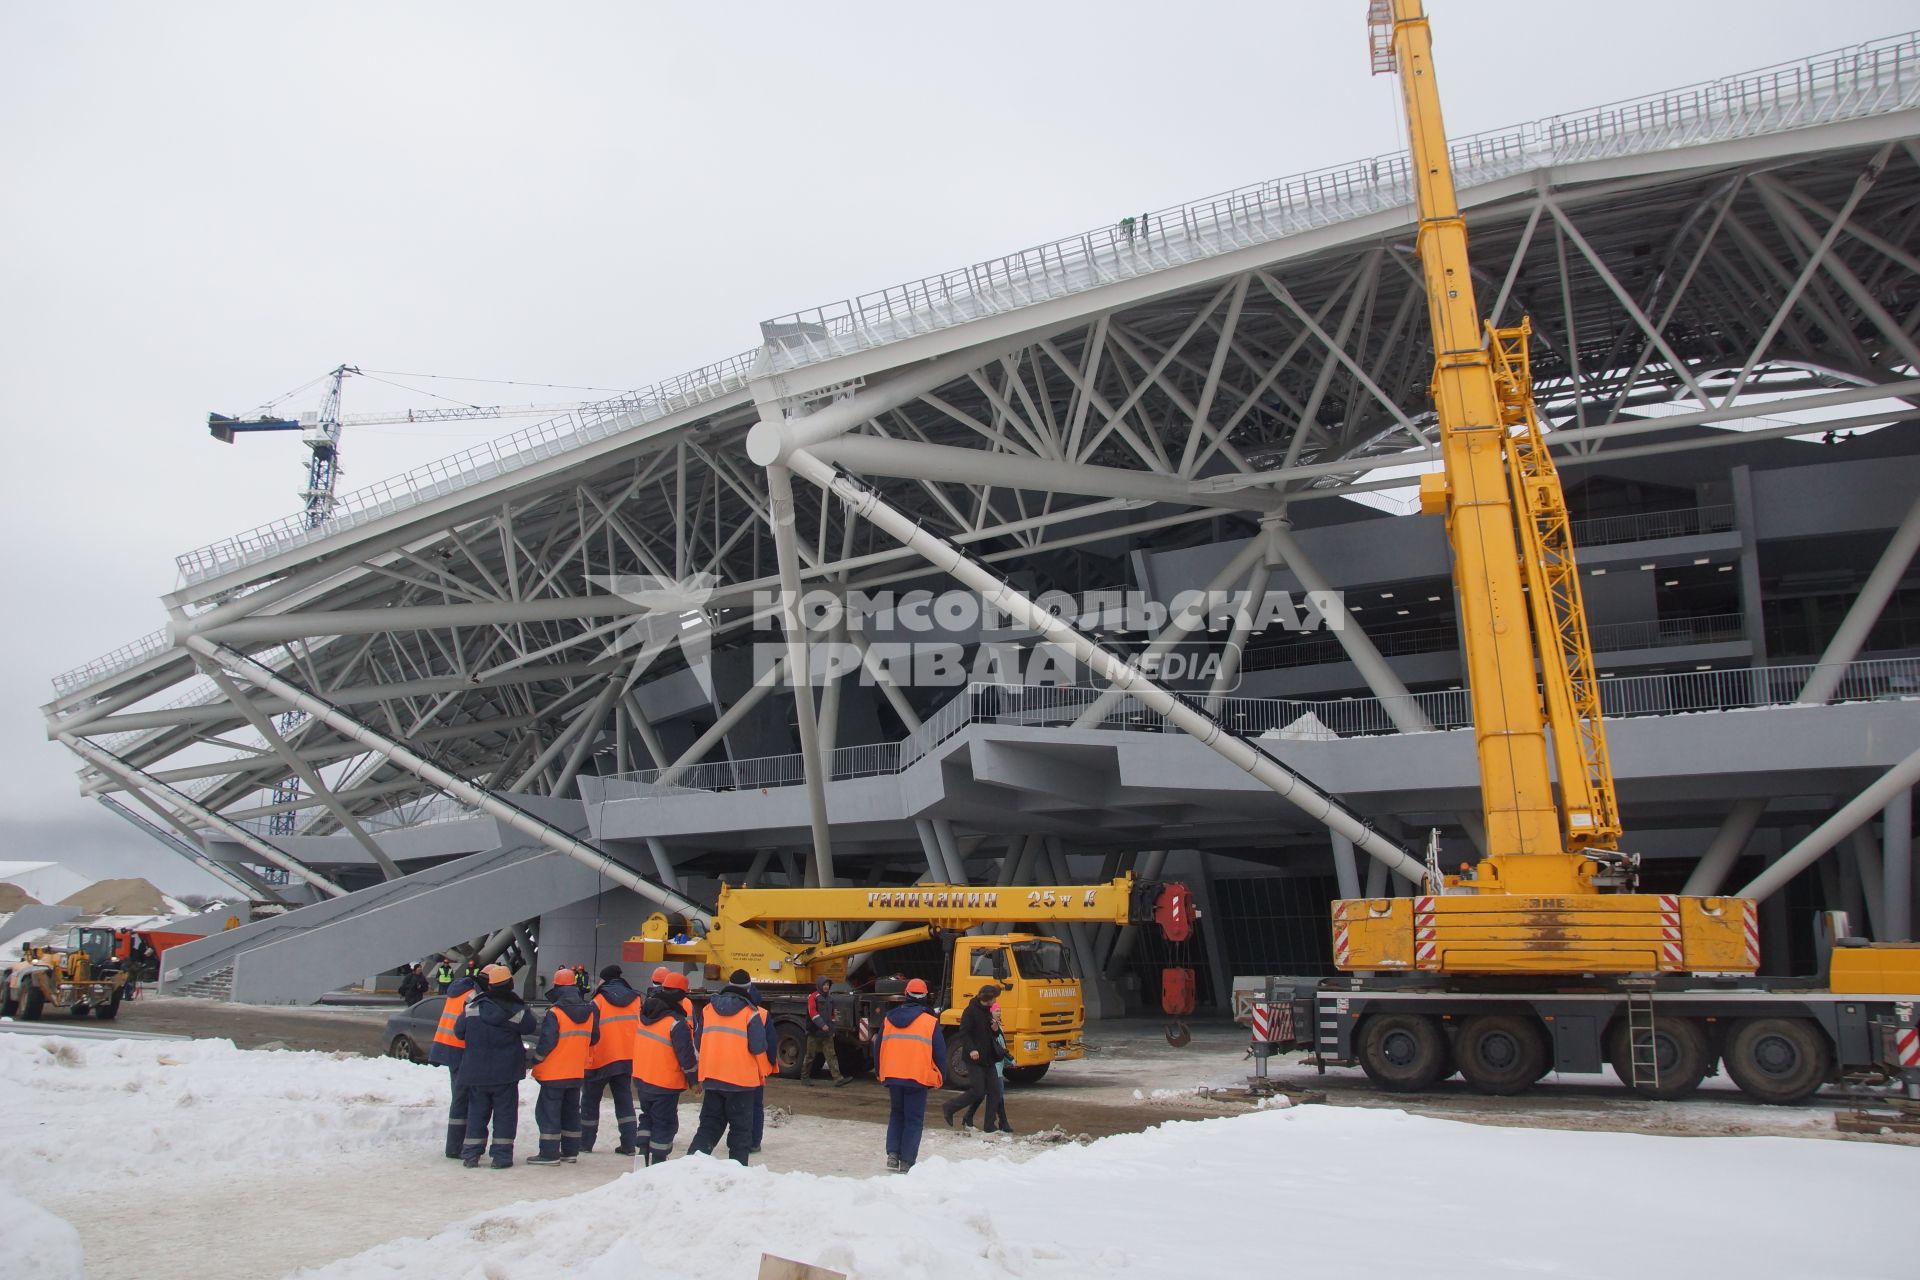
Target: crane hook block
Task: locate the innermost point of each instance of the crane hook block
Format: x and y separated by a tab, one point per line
1177	991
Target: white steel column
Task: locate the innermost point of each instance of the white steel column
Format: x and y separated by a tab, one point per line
135	780
948	558
1879	587
1896	781
519	819
1181	625
1374	671
1896	868
799	674
1345	870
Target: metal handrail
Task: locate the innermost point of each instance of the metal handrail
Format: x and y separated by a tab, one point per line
1057	706
1862	80
1646	526
127	656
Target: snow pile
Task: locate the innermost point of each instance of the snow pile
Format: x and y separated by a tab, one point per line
77	1115
1204	1198
37	1243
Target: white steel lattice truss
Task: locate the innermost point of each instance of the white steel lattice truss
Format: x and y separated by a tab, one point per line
1687	259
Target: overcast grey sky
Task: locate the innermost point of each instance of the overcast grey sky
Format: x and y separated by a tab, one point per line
206	204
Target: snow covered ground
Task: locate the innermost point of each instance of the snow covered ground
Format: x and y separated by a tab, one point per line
215	1162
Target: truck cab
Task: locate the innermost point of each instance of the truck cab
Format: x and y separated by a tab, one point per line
1041	1013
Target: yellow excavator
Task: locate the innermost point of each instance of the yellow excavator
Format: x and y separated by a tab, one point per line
1544	955
783	939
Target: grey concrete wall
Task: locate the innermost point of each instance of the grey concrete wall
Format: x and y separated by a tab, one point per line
1837	497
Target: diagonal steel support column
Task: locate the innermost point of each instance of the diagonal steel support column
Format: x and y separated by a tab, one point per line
1896	781
519	819
186	850
733	715
799	672
1711	871
1183	624
136	780
948	558
389	869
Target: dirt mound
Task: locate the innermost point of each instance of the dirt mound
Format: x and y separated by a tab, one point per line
119	898
13	897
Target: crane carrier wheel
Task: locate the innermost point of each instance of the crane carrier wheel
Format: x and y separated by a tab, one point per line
1782	1061
1403	1052
1502	1053
1682	1055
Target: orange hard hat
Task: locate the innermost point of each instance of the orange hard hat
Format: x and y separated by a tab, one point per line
660	975
563	977
916	987
495	974
674	981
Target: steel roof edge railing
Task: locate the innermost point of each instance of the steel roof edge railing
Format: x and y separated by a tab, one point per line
127	656
471	466
1861	80
1057	706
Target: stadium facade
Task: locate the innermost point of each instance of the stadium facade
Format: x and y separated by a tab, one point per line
537	690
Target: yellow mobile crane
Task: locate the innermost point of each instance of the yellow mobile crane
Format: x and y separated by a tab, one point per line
780	938
1553	892
1543	956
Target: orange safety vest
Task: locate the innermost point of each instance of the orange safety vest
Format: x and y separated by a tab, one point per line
450	1014
568	1061
768	1063
654	1061
616	1034
906	1053
724	1055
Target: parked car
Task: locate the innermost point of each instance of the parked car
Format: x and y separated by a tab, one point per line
410	1032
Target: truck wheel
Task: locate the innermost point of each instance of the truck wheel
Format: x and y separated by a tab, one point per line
959	1069
789	1049
33	1002
1680	1050
7	1002
111	1009
1501	1053
1027	1075
1403	1052
81	1010
1781	1061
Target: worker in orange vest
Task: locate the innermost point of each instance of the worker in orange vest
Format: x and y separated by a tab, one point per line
610	1061
663	1062
445	1052
731	1041
907	1057
567	1036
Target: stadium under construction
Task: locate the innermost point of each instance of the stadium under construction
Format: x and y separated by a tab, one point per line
532	693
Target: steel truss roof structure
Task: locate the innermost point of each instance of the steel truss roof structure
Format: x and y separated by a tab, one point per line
1687	259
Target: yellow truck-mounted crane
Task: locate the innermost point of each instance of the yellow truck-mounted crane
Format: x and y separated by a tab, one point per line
1543	956
1553	893
780	937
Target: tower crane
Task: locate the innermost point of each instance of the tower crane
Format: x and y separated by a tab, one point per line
320	431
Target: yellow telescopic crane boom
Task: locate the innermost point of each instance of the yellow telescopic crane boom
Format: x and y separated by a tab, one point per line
1534	904
1507	520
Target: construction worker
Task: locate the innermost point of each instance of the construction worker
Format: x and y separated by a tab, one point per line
976	1049
907	1058
731	1041
492	1066
445	1052
663	1060
443	975
769	1066
610	1061
820	1035
567	1036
